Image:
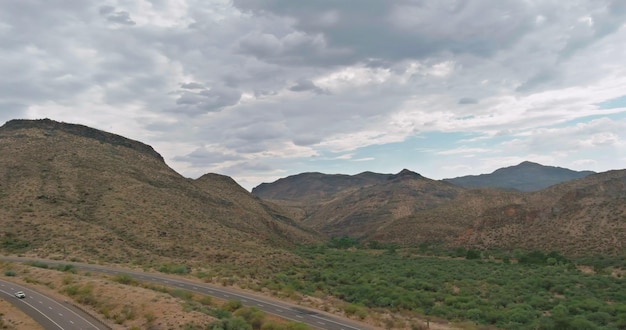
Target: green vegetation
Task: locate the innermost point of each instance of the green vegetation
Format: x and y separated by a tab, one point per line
125	279
517	290
9	272
174	269
38	264
82	294
11	243
66	268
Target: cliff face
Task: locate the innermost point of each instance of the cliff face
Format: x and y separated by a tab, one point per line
82	131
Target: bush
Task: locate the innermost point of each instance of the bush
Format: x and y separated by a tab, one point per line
38	264
342	242
206	300
534	257
67	268
14	244
9	273
182	294
234	323
175	269
125	279
252	315
232	305
472	254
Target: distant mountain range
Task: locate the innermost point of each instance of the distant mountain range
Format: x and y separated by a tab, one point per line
73	192
582	215
526	176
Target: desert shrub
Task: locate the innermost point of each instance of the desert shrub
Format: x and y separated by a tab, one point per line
472	254
125	279
9	273
503	295
82	294
182	294
232	305
38	264
533	257
174	269
343	242
66	268
219	313
13	244
252	315
206	300
233	323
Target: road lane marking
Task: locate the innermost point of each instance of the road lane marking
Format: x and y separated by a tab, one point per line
211	290
40	312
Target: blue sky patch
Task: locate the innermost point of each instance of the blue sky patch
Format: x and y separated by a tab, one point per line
619	102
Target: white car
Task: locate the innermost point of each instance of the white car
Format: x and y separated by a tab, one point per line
20	294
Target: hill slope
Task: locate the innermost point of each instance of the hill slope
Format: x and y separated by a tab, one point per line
71	191
526	176
577	217
581	217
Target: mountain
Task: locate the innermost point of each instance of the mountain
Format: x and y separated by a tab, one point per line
578	217
526	176
581	217
357	205
70	191
315	186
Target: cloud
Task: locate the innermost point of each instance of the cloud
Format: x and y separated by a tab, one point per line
262	88
206	100
366	29
192	85
205	156
120	17
305	85
468	100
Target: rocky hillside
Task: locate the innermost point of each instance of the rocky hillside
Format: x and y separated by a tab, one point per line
527	176
577	217
580	217
70	191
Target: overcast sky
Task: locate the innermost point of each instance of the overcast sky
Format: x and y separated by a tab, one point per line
262	89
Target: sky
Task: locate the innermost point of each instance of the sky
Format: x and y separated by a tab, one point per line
263	89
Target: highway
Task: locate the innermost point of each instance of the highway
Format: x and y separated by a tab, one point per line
313	318
48	312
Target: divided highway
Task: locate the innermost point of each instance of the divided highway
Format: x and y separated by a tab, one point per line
48	312
284	310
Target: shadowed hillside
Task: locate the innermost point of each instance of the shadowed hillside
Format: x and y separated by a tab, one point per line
526	176
578	217
71	191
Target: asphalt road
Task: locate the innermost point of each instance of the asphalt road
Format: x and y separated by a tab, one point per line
313	318
48	312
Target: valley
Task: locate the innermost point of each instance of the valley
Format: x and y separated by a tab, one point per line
392	251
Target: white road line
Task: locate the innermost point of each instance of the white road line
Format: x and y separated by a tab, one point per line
71	311
40	312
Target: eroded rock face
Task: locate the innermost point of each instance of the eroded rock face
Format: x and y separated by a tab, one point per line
84	131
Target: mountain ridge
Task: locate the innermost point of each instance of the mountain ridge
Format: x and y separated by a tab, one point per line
578	216
83	131
526	176
66	195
